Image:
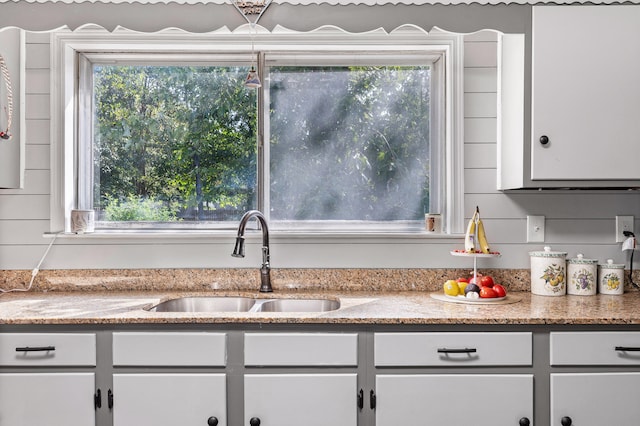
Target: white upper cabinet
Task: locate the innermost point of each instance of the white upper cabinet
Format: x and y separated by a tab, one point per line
585	93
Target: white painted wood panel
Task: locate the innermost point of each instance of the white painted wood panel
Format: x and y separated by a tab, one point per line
593	133
300	349
37	81
480	80
62	349
554	204
155	399
480	181
24	207
480	105
23	232
36	182
169	349
480	156
428	349
595	399
30	399
37	132
480	130
37	106
37	157
454	399
480	54
37	55
595	348
301	399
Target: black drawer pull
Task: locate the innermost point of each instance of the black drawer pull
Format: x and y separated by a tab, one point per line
628	348
36	349
457	351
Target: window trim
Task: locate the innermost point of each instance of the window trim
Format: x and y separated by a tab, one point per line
65	98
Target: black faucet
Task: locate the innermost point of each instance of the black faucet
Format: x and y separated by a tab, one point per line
238	251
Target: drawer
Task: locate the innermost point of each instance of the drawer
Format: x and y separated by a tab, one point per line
300	349
452	349
170	349
595	348
47	349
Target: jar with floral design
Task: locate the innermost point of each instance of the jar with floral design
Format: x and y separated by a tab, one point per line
582	276
548	272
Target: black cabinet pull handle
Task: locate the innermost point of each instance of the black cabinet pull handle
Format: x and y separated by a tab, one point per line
255	421
524	422
212	421
36	349
361	399
372	400
627	348
457	351
566	421
544	139
97	399
110	399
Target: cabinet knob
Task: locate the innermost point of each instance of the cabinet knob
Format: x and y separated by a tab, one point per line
566	421
544	139
524	422
255	421
212	421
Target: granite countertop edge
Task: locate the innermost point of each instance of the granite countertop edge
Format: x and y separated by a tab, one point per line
357	308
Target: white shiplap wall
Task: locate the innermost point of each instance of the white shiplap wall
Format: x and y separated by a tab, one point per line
576	221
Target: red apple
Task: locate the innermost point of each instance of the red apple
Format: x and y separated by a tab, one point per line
486	281
500	290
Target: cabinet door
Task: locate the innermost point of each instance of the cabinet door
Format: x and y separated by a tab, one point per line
52	399
454	399
169	399
301	399
595	399
585	92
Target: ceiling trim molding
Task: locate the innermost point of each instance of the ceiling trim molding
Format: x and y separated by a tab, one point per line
342	2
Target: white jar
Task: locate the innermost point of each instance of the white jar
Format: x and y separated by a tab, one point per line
582	276
548	272
611	278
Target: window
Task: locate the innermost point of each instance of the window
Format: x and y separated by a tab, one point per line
353	135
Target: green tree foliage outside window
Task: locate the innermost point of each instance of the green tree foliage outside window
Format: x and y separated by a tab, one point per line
180	136
346	143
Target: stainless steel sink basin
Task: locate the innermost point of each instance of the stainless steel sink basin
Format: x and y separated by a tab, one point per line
299	305
244	304
206	304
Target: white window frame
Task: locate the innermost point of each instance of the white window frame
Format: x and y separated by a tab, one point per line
68	47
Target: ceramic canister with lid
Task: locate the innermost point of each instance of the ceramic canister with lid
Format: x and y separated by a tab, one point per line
582	276
611	278
548	272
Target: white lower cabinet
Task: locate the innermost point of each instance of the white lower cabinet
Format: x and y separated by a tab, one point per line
454	399
595	399
300	399
52	399
149	399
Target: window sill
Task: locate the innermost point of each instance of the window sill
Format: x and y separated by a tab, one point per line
275	235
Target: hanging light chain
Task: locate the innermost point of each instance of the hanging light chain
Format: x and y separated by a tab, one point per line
8	109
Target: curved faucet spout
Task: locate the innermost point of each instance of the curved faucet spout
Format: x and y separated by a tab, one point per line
238	251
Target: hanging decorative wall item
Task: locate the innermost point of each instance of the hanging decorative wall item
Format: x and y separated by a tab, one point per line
252	10
7	103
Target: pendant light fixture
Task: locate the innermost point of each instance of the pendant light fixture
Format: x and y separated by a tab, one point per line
8	108
253	79
250	9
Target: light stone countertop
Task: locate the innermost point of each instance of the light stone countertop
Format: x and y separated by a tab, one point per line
106	307
367	296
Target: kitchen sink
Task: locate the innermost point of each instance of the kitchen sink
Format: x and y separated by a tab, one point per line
299	305
244	304
206	304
